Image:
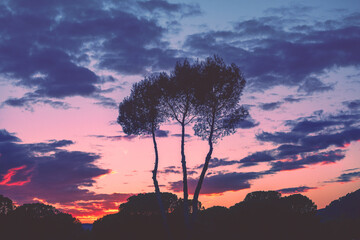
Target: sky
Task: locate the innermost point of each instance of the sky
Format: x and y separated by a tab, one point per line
66	65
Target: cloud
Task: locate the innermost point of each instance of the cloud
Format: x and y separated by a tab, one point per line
161	133
30	99
346	177
158	133
176	170
105	101
270	106
318	158
50	146
277	50
5	136
219	183
279	137
48	46
168	8
291	99
170	170
258	157
306	126
310	134
312	85
179	135
216	162
115	138
56	176
353	105
293	190
247	123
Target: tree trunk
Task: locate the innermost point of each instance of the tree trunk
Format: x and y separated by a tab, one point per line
200	182
185	185
203	172
157	189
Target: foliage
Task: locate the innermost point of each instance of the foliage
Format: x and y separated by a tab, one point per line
146	204
6	205
41	222
141	112
262	196
218	94
299	204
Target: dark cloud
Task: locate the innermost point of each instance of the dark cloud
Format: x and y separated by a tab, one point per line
46	46
219	183
171	170
295	190
353	105
314	133
319	158
216	162
347	177
5	136
106	101
247	123
270	106
346	118
115	138
179	135
279	137
306	126
161	133
319	142
56	176
258	157
176	170
291	99
312	85
275	50
166	7
50	146
30	99
337	139
158	133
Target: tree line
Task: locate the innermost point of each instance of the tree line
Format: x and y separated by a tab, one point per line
261	215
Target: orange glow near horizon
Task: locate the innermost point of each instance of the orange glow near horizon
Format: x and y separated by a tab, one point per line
88	214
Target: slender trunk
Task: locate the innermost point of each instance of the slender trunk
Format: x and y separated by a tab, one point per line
200	182
203	173
185	185
157	189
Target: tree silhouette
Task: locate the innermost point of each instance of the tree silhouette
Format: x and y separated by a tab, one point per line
36	210
218	111
178	95
40	221
146	204
141	114
262	196
6	205
299	204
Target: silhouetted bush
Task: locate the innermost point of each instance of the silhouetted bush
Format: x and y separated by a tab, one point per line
41	222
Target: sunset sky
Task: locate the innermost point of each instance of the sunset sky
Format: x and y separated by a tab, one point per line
66	65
